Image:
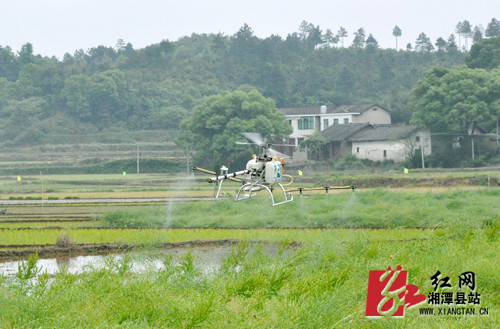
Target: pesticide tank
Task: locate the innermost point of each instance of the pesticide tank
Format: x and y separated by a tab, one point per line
268	171
273	172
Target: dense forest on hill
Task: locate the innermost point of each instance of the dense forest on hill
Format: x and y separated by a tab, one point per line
119	89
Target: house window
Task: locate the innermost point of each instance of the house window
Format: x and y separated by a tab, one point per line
306	123
325	123
300	140
357	149
290	122
335	121
346	120
417	139
385	153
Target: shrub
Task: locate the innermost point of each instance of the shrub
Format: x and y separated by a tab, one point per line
33	198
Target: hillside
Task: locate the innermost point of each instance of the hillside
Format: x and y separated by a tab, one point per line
122	89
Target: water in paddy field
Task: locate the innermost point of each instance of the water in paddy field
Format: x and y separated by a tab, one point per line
207	258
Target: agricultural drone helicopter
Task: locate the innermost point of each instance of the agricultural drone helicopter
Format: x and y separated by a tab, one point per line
263	172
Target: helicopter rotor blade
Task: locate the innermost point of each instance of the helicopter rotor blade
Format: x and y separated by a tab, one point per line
274	153
283	145
255	137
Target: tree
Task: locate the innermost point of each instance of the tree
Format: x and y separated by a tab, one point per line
457	100
477	35
243	42
458	30
316	145
76	95
341	34
493	28
129	50
315	36
484	54
218	44
120	45
466	31
26	54
328	37
304	30
359	38
371	43
451	44
396	32
423	43
441	44
216	124
9	66
311	35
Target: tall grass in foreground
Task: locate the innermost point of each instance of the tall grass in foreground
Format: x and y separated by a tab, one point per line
322	285
377	208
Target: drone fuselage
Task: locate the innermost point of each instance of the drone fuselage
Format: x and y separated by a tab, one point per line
264	169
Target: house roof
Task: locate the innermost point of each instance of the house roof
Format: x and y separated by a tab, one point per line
304	110
338	133
357	108
384	132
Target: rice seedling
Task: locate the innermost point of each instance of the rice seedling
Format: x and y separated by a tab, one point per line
322	285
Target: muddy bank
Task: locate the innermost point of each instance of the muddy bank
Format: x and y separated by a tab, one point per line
47	220
481	180
222	228
46	251
106	200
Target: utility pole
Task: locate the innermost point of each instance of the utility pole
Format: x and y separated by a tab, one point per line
497	134
41	189
137	159
422	149
472	144
187	160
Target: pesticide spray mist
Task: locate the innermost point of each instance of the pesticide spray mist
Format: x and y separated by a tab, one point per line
182	182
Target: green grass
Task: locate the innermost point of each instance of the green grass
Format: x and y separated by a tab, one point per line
180	184
375	208
322	285
63	225
153	237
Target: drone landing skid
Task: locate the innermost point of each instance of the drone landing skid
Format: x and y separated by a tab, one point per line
251	190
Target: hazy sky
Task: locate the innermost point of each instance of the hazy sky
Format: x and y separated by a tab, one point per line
55	27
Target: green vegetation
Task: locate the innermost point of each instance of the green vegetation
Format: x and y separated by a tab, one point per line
321	285
155	217
321	282
116	92
457	100
484	54
215	125
376	208
153	237
103	167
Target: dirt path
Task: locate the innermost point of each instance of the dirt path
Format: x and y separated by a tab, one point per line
108	200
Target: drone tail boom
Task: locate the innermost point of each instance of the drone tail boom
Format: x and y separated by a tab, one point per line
228	176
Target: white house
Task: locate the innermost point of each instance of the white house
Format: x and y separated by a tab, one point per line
308	119
390	142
